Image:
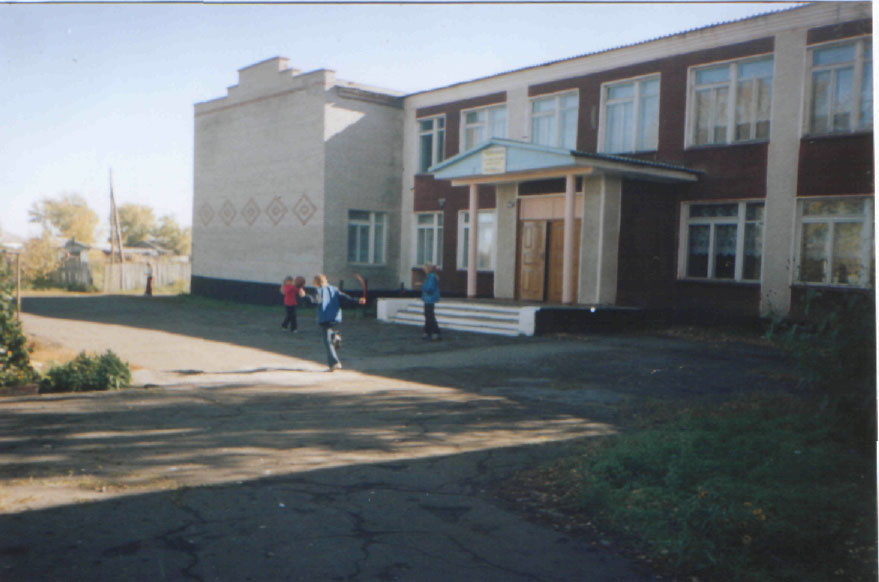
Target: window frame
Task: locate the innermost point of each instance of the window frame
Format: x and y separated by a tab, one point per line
867	246
732	84
370	224
740	220
485	125
857	65
605	101
463	233
557	115
438	228
437	140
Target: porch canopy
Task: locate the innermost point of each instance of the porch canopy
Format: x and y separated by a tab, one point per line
503	161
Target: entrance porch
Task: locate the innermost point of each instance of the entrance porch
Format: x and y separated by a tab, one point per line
560	246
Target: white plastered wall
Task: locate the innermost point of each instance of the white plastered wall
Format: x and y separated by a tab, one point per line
258	177
363	170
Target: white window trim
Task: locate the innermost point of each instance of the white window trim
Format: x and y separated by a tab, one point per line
690	123
370	224
437	240
867	246
857	85
437	155
460	259
462	138
602	117
739	220
557	113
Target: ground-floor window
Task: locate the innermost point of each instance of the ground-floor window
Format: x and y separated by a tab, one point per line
486	237
836	241
722	241
366	237
429	238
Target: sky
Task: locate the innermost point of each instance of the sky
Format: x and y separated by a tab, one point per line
89	89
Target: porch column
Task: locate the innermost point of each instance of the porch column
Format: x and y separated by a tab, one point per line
568	242
472	241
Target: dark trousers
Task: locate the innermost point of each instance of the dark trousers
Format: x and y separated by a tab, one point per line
149	287
291	317
431	327
328	329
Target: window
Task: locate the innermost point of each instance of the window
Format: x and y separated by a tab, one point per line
841	92
554	120
631	116
481	124
723	241
836	241
429	238
486	235
730	102
431	140
366	237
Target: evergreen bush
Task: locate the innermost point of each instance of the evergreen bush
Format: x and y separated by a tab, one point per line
15	364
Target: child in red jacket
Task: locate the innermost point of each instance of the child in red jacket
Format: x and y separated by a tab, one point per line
290	291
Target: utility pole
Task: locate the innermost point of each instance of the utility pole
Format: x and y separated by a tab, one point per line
115	236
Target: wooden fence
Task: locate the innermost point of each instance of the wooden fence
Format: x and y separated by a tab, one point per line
113	278
133	276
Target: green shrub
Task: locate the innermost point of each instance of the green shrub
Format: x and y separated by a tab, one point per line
85	372
835	351
15	364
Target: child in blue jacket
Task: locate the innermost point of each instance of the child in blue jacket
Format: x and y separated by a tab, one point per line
430	295
329	314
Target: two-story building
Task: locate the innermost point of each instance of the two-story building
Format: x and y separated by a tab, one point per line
728	168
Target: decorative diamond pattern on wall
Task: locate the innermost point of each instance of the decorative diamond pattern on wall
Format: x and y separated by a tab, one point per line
276	210
227	212
206	213
250	212
304	209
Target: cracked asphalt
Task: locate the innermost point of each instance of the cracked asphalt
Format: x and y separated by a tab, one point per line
238	457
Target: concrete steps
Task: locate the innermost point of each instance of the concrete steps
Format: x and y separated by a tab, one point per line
462	316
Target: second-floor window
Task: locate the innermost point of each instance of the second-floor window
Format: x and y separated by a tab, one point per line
554	120
431	142
730	102
631	116
366	237
478	125
841	92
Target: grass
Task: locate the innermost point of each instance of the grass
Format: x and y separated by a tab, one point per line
756	490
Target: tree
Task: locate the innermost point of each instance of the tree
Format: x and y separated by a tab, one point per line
136	221
39	258
15	364
69	216
171	236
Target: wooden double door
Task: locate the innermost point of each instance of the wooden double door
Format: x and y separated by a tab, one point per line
541	254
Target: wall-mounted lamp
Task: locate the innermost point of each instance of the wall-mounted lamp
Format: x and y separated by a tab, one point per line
441	202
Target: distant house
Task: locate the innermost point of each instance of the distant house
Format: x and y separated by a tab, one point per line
724	169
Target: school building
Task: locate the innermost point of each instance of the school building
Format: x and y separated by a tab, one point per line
723	169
